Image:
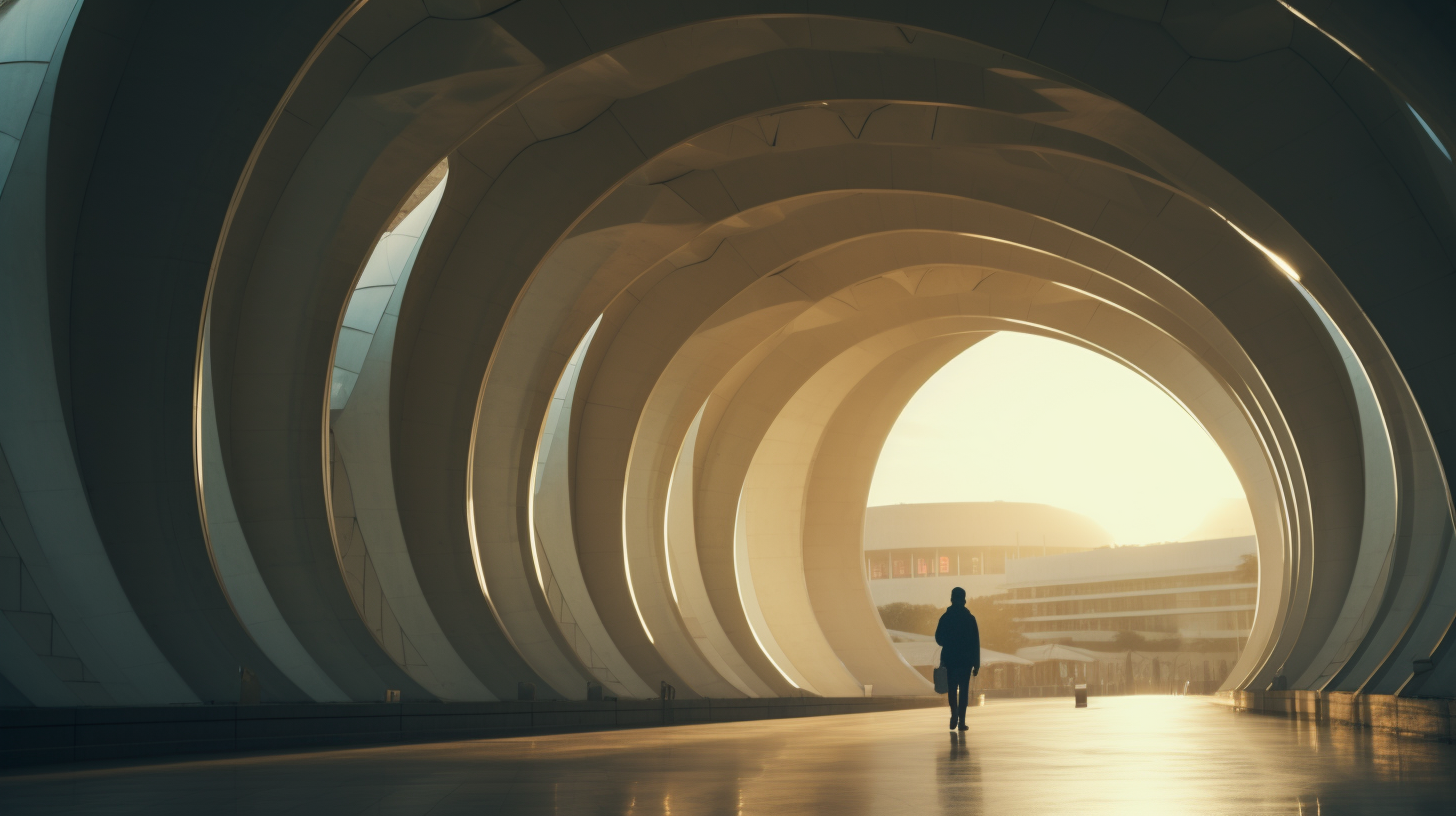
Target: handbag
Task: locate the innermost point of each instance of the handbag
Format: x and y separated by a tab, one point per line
942	680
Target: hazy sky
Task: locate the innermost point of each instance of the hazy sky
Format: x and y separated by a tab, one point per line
1024	418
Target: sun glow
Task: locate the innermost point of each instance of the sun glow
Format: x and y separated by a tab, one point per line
1024	418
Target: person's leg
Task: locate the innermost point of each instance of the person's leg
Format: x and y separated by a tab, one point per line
962	680
951	691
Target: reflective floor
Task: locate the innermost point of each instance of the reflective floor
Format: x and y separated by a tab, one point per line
1154	755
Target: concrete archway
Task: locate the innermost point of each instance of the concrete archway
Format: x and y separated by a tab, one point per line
781	221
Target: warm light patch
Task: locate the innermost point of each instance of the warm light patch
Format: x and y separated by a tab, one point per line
1019	417
1273	257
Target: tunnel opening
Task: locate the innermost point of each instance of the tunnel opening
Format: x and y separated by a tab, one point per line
1100	533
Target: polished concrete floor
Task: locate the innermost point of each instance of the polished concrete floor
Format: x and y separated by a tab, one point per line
1132	755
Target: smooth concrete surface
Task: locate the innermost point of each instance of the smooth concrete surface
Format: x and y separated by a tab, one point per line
34	736
1126	755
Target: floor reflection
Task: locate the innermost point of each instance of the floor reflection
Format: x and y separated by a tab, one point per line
1139	755
958	776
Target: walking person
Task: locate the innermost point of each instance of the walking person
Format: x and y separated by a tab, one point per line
960	654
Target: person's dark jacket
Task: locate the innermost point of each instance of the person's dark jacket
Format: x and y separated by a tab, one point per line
959	639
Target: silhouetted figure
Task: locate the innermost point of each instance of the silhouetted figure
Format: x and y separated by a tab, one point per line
960	654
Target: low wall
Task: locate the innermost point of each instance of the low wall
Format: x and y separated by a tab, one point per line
1182	688
1425	718
30	736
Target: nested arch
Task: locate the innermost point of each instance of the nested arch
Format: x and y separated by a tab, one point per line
610	177
599	132
165	254
742	443
633	131
714	343
792	446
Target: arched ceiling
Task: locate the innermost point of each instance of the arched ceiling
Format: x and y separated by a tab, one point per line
711	249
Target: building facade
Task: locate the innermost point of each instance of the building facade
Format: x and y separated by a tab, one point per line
915	553
1195	590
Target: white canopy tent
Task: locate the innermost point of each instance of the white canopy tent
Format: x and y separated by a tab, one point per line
1056	651
927	653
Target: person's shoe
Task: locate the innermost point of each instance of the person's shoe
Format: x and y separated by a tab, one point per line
952	722
963	727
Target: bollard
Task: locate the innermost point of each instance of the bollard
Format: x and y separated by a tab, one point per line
249	689
1081	690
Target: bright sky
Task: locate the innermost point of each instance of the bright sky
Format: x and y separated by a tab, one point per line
1024	418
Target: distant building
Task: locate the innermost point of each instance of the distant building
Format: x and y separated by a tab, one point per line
915	553
1196	590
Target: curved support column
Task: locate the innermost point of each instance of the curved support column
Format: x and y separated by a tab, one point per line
360	432
837	487
558	570
686	575
272	364
237	572
85	642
